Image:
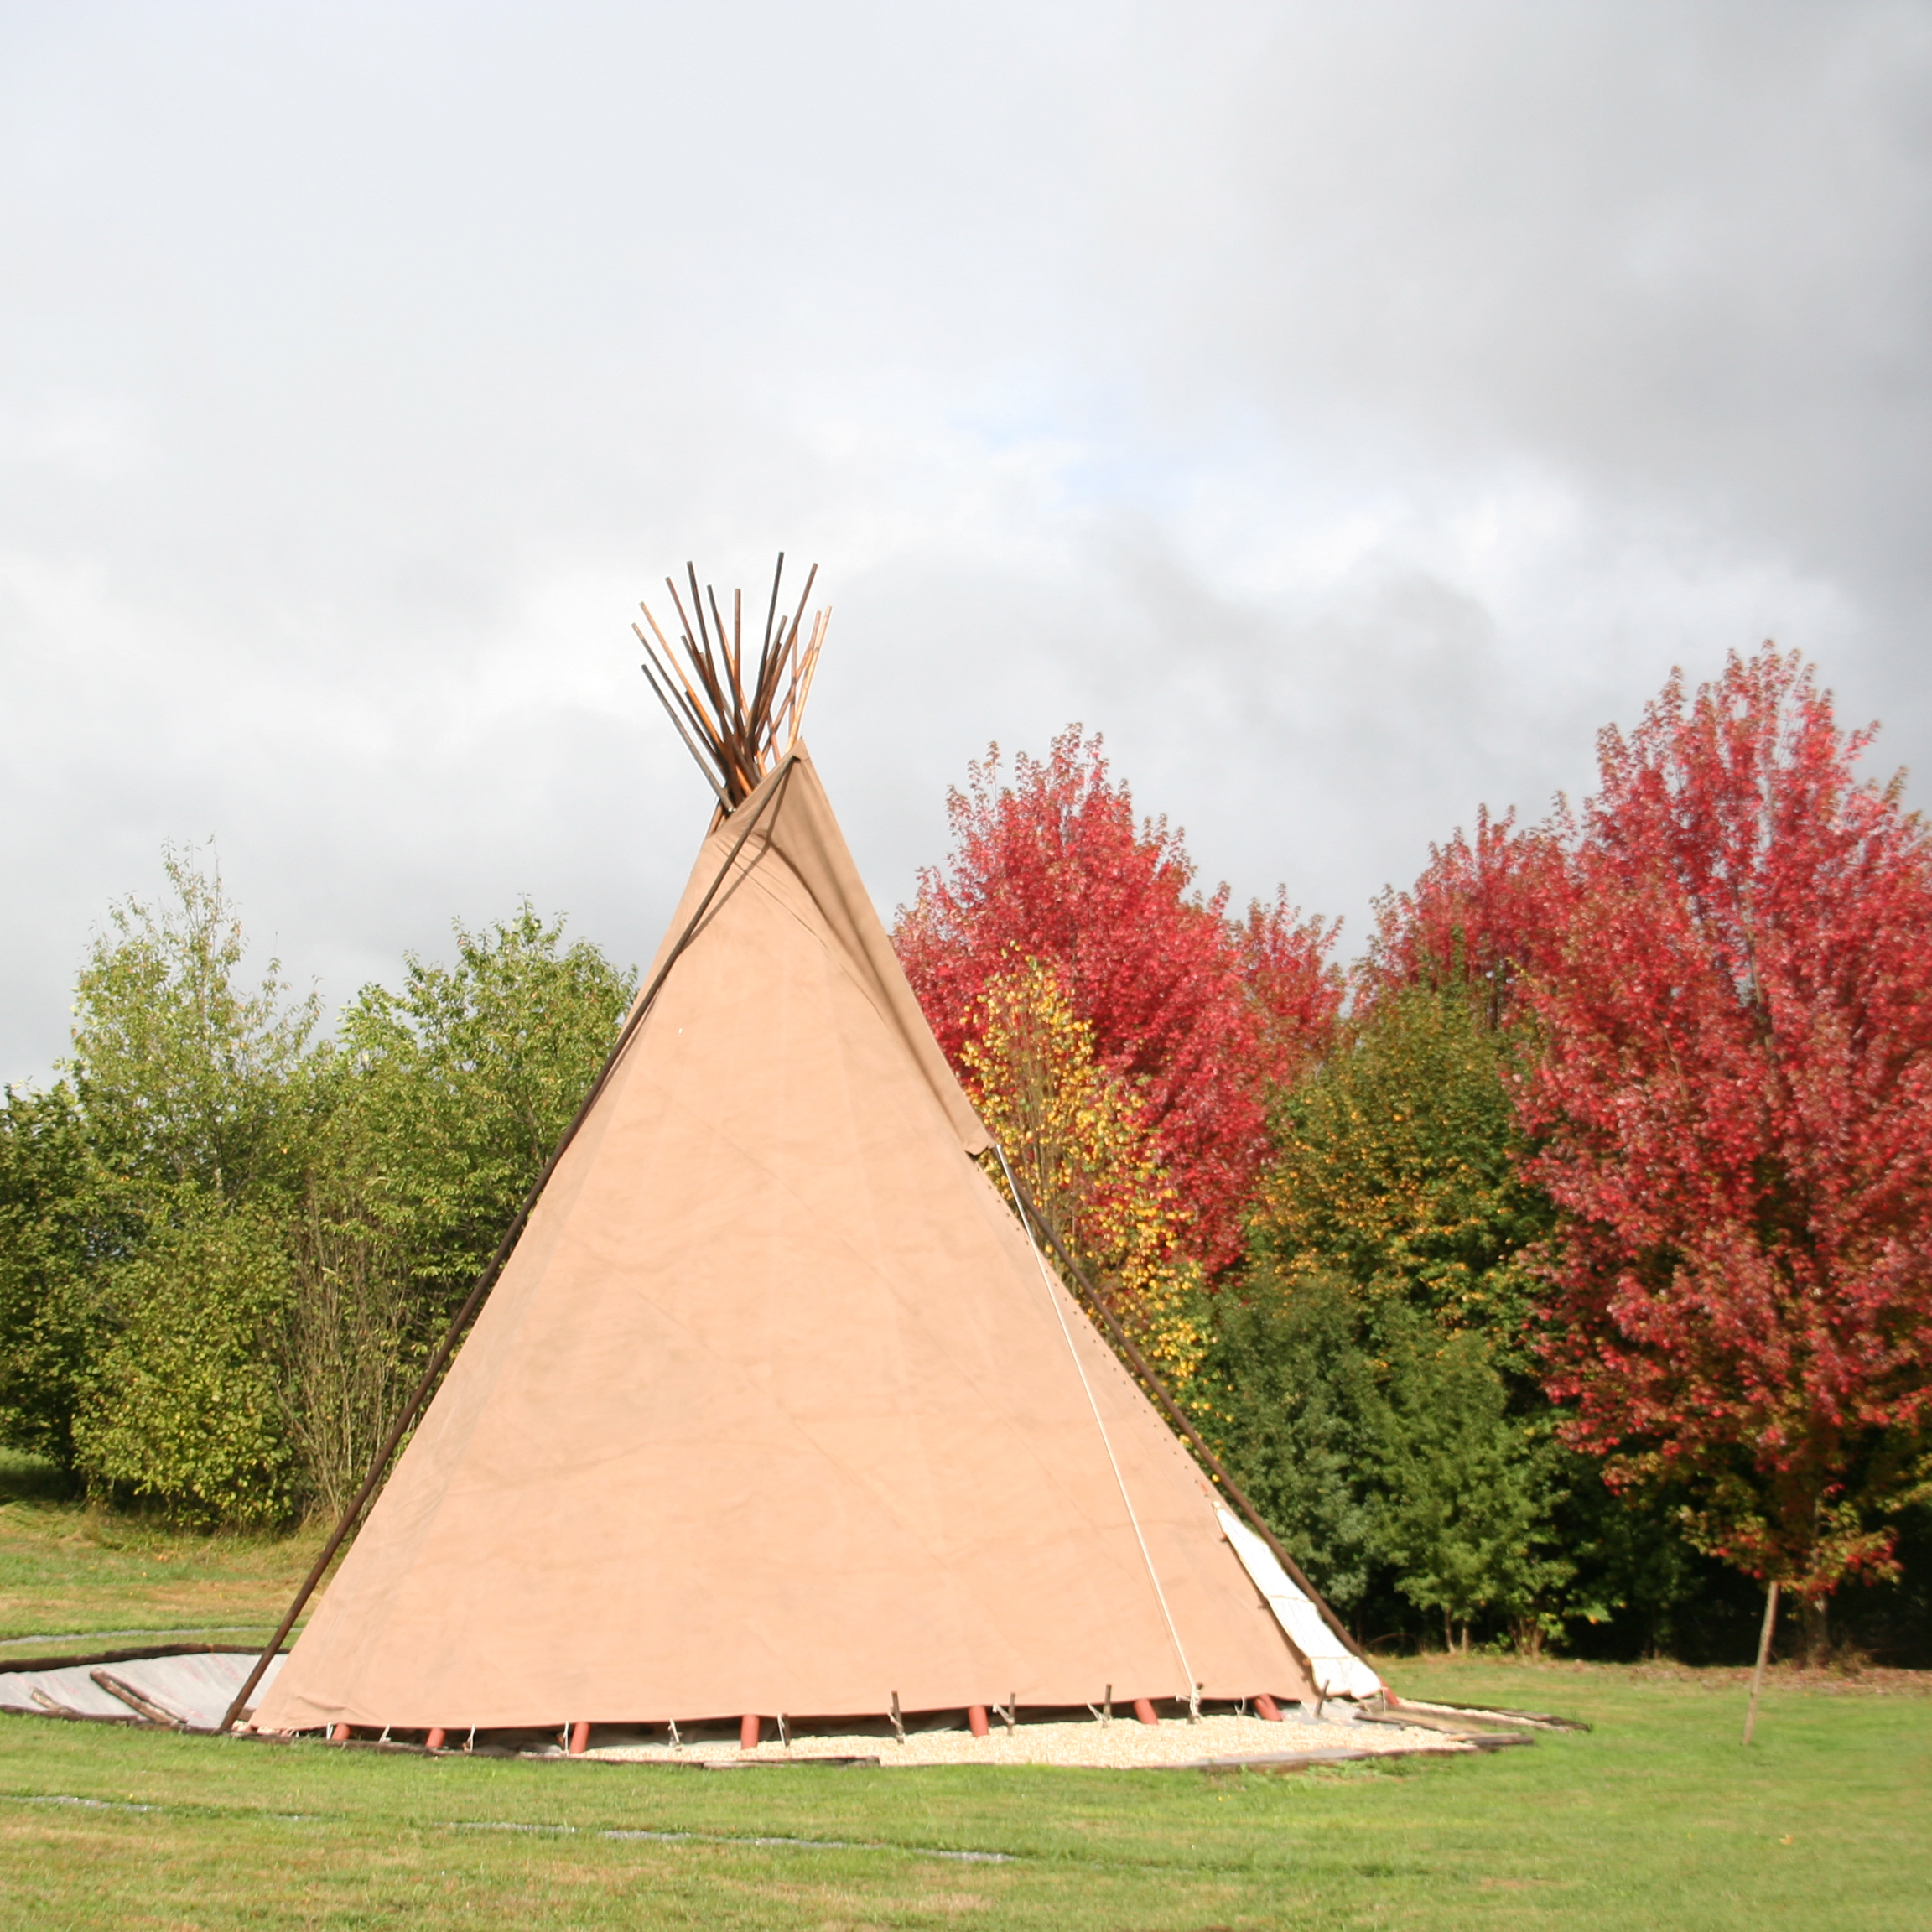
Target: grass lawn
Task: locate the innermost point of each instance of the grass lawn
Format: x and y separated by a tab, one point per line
66	1570
1656	1817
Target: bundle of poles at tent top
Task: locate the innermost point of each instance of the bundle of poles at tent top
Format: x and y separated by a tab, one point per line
736	733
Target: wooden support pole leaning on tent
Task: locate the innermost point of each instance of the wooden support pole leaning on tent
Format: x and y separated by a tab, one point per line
1157	1388
487	1280
1764	1658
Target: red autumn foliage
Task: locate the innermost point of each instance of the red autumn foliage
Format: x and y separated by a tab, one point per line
1296	992
1735	1094
1480	916
1198	1014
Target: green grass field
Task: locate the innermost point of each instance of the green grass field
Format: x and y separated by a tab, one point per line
1655	1818
65	1570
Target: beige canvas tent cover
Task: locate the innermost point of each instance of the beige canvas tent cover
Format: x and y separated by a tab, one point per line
774	1408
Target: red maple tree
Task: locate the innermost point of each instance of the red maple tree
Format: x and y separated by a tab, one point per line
1198	1013
1481	915
1735	1097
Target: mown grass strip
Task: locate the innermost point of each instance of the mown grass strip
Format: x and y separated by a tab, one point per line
542	1830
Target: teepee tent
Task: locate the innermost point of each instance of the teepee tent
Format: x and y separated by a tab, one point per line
774	1407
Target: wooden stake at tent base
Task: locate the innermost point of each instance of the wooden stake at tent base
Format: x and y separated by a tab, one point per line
1763	1655
1145	1712
580	1738
748	1728
1266	1707
977	1721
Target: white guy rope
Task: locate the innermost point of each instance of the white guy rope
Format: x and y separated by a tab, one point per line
1106	1442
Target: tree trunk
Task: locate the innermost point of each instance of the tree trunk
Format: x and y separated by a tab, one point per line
1763	1656
1815	1624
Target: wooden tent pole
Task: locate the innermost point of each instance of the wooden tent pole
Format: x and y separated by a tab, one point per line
677	724
694	701
487	1280
762	687
1158	1389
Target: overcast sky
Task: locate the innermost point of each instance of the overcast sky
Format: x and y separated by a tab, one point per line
1347	409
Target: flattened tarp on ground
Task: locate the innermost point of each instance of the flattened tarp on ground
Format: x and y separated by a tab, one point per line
193	1688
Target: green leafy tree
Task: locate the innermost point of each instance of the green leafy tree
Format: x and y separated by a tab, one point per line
437	1111
1463	1513
182	1406
56	1220
1396	1186
223	1246
196	1096
346	1346
187	1077
1397	1168
1402	1470
454	1091
1291	1399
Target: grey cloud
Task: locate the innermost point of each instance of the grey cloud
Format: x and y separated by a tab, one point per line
1344	410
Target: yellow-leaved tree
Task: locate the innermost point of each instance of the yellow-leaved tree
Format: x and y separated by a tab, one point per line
1079	1140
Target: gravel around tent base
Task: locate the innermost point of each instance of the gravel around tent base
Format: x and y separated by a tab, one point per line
1122	1743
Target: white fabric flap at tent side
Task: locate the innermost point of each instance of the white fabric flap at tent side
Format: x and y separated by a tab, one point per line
1338	1671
